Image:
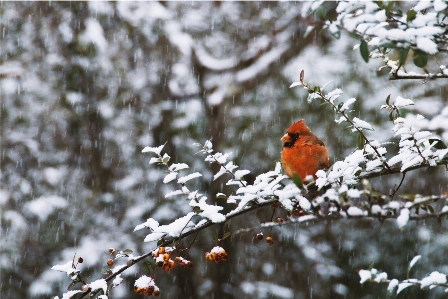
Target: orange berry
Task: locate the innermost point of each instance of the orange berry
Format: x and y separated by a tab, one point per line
156	293
269	240
110	262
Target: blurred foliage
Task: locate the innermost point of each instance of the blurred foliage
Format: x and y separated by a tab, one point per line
85	86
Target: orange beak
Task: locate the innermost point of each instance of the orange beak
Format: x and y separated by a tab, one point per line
285	138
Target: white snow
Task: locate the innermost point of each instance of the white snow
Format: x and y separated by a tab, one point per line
434	278
355	211
392	285
347	104
44	206
361	124
403	219
99	284
155	150
364	275
169	177
186	178
401	102
67	268
144	282
403	286
414	260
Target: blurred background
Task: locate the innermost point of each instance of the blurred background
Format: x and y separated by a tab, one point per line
85	86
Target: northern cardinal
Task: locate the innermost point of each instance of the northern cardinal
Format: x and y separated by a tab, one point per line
303	153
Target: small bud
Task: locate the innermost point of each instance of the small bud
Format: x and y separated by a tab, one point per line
111	251
110	262
260	236
279	220
80	260
269	240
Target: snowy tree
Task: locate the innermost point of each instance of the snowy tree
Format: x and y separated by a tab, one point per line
86	86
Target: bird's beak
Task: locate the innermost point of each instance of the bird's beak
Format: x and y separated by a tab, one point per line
285	138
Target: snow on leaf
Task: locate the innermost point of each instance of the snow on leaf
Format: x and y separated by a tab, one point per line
178	226
240	173
154	237
67	268
333	95
186	178
427	45
361	124
364	275
401	102
169	177
172	193
355	211
155	160
209	211
70	294
294	84
150	223
414	260
392	285
99	284
381	277
434	278
178	166
403	286
403	219
347	104
155	150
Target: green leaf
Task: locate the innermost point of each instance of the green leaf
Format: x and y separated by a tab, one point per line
160	242
364	51
215	237
403	55
361	141
147	266
379	3
420	59
389	8
340	106
316	88
411	15
221	196
297	181
439	144
371	265
391	116
336	34
387	100
129	263
227	234
127	251
197	209
430	209
321	13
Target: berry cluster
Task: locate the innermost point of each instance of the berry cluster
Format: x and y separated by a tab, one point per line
163	259
217	255
183	262
145	286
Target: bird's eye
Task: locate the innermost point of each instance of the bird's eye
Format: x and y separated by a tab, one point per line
294	136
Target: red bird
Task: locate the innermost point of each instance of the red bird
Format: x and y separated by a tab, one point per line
303	153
